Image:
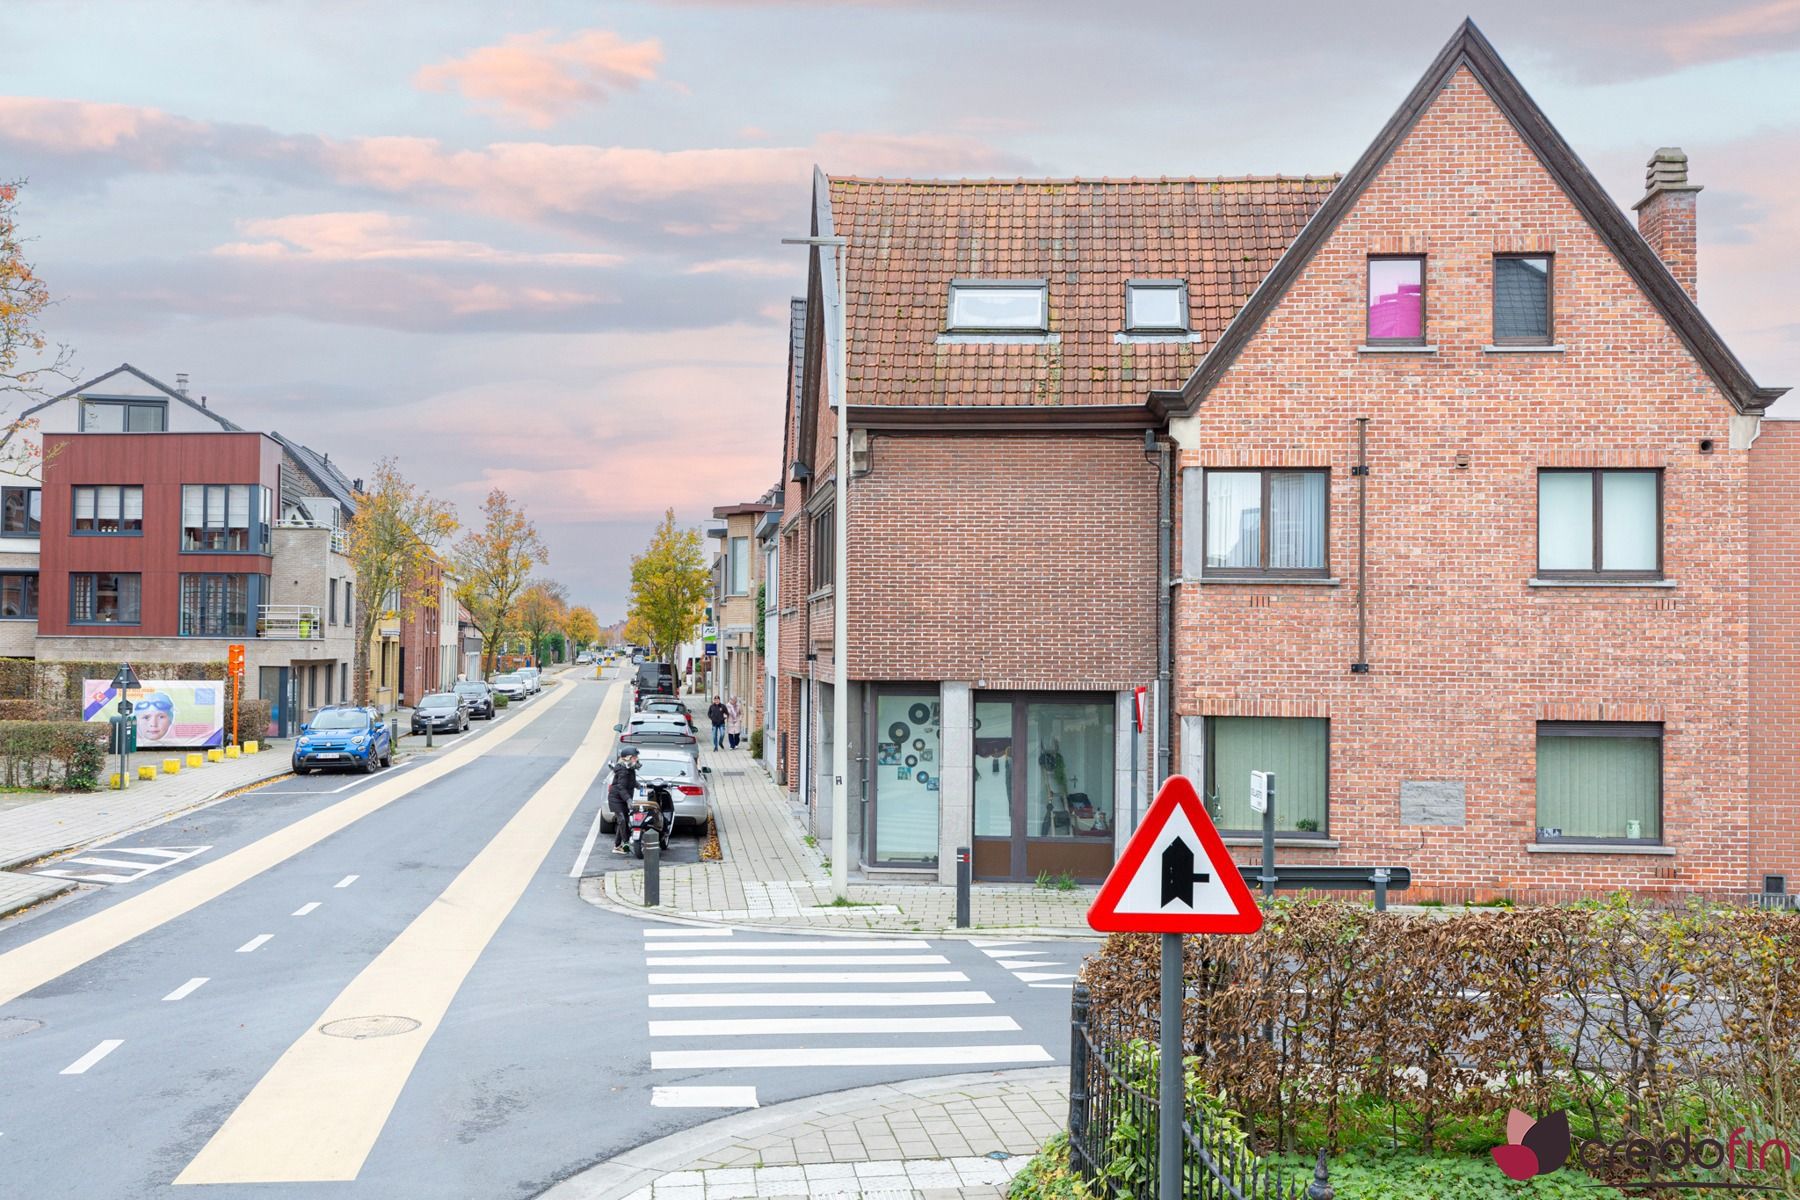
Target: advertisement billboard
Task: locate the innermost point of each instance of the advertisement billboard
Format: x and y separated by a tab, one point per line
171	713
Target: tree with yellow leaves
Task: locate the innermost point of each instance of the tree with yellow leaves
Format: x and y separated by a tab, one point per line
494	561
23	362
393	541
669	582
583	627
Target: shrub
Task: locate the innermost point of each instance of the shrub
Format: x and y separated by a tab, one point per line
1049	1175
500	700
63	755
21	710
756	743
253	719
1412	1177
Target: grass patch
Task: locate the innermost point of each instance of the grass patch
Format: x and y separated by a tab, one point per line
1363	1176
1056	883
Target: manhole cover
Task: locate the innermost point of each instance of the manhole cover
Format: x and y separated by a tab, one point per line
733	773
14	1026
368	1027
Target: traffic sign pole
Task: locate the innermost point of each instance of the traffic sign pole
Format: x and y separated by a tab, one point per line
1168	1138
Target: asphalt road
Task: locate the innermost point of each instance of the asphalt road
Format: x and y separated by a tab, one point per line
180	1026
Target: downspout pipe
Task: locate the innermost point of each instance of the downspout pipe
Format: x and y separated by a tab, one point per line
1165	586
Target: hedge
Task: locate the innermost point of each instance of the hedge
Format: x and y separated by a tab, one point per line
58	755
1334	1018
37	679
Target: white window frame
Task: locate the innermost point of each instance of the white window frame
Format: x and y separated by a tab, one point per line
1039	288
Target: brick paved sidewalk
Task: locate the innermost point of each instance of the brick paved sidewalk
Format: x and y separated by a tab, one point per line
771	877
35	827
956	1138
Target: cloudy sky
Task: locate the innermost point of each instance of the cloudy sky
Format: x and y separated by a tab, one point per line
536	245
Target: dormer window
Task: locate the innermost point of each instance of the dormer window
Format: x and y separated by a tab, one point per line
1156	306
999	306
124	416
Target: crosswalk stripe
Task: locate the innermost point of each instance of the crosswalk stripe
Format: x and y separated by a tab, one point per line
1003	955
1029	966
703	1097
846	1056
1036	976
108	862
824	1025
1067	987
793	944
820	999
800	960
666	979
686	933
90	876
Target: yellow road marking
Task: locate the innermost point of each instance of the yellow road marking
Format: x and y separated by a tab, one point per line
60	951
318	1112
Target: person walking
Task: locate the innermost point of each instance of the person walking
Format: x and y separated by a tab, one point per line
618	797
734	721
716	713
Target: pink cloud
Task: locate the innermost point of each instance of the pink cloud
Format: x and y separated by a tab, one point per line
536	80
1728	35
379	236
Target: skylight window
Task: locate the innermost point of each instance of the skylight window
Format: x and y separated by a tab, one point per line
998	306
1156	306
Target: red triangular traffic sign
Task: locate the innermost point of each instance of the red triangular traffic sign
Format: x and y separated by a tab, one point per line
1175	875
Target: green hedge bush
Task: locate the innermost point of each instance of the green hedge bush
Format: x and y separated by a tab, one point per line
57	755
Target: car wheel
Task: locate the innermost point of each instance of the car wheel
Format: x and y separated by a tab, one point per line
300	770
369	764
387	757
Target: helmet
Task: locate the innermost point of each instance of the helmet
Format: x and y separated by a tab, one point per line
629	752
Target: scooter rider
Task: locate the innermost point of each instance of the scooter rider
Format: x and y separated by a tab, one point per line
618	797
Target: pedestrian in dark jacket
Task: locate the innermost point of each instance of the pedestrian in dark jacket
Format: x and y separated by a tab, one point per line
618	797
717	714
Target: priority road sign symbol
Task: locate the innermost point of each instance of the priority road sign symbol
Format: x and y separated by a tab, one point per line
1175	875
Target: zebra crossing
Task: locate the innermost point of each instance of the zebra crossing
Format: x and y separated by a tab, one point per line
120	864
1027	961
844	1002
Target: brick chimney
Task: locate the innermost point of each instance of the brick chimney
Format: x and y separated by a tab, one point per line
1667	215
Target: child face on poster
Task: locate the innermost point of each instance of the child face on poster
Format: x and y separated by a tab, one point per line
155	717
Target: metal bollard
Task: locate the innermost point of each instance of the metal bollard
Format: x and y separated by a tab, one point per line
652	871
1380	880
428	728
964	870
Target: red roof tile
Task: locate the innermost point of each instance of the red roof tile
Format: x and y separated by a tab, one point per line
910	238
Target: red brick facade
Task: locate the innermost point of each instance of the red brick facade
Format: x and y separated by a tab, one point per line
1466	654
1775	653
1019	561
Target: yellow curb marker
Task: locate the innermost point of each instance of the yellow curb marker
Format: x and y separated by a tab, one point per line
215	756
145	772
171	766
194	760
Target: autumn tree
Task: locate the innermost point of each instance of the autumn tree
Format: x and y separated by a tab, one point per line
393	541
24	363
494	562
542	607
669	583
583	627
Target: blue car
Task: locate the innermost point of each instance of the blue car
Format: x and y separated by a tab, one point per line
343	737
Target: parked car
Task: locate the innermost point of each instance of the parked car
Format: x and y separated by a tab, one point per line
478	696
343	737
533	677
692	793
667	704
655	729
441	710
653	679
510	685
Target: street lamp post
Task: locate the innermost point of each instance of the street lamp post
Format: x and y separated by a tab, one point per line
840	681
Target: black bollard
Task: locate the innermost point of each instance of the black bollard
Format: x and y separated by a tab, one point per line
652	870
964	871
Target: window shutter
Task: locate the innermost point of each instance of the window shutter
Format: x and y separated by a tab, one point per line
1193	537
84	504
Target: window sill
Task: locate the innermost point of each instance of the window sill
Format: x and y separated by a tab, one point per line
1287	841
1128	337
823	593
1396	349
1600	583
1599	848
1274	581
1551	349
999	339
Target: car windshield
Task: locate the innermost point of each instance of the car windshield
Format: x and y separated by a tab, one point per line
670	766
438	700
506	679
470	689
342	718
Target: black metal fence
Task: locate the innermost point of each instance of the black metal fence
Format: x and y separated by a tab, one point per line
1113	1120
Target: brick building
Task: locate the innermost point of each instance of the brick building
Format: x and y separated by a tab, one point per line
1448	483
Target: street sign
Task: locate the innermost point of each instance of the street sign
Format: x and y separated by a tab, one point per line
125	678
1261	783
1175	875
1137	702
712	649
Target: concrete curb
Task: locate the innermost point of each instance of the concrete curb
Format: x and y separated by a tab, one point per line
625	1173
604	897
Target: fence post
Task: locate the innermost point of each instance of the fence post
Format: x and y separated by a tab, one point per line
1320	1188
1078	1078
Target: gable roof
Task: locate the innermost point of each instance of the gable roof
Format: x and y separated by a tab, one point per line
1085	238
319	469
1470	49
158	384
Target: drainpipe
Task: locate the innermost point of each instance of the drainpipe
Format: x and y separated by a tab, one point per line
1165	543
1361	471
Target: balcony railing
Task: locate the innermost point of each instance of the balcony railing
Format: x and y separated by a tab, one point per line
291	622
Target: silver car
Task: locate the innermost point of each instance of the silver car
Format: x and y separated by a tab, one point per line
533	679
692	790
510	686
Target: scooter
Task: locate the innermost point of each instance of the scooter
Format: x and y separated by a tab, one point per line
652	811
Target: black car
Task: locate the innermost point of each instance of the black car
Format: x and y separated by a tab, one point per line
478	696
440	711
653	679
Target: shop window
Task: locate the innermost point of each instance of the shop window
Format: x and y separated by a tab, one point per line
1295	749
1069	770
1599	782
908	766
993	779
